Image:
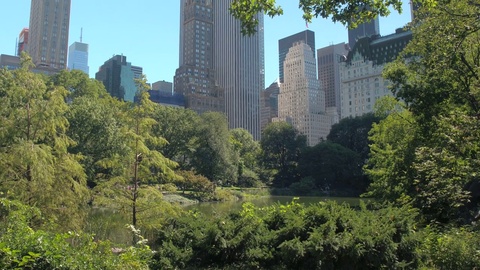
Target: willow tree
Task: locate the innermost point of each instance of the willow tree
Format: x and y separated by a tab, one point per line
35	166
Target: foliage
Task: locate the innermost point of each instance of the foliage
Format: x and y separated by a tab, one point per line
333	167
21	247
437	76
292	236
455	248
352	133
281	146
392	153
35	166
179	128
213	156
348	12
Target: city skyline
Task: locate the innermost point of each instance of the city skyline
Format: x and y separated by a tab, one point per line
148	33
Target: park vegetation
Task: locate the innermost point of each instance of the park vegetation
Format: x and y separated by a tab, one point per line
68	151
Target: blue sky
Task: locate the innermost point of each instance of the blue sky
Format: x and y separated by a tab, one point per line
147	31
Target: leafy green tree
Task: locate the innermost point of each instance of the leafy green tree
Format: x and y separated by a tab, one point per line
392	153
333	167
35	166
352	133
213	157
179	128
248	151
79	84
437	76
281	146
348	12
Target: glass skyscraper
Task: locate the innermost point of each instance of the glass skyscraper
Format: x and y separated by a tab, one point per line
78	57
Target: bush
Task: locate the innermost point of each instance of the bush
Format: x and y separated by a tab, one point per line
456	248
292	236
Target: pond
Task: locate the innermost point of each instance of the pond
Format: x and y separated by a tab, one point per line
217	208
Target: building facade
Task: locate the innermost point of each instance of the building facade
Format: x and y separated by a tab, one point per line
285	44
328	63
301	102
239	68
48	33
362	83
78	57
118	78
195	77
269	104
22	41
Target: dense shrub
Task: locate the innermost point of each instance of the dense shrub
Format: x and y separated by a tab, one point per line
293	236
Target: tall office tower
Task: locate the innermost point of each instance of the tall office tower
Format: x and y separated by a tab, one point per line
22	41
362	83
301	102
285	44
137	72
328	60
368	29
78	57
48	33
118	78
239	68
195	77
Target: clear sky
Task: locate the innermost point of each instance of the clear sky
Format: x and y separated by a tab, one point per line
147	31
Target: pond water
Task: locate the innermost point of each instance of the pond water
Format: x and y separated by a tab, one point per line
214	208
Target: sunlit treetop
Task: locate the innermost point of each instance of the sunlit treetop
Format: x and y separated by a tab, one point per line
348	12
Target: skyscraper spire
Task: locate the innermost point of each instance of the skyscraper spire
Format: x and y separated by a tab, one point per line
81	34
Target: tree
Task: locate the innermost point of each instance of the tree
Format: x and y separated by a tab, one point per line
352	133
334	167
437	76
213	156
281	146
247	150
35	166
348	12
392	153
179	128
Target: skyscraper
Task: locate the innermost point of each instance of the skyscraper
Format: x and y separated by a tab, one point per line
301	102
284	44
368	29
118	78
48	33
328	60
195	76
78	57
239	68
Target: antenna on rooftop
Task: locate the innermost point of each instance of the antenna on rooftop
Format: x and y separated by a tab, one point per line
16	47
81	34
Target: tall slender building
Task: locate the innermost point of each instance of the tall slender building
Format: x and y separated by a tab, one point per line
48	33
301	102
284	44
195	76
239	68
328	59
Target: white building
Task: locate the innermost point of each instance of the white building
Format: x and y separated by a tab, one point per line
301	102
361	78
